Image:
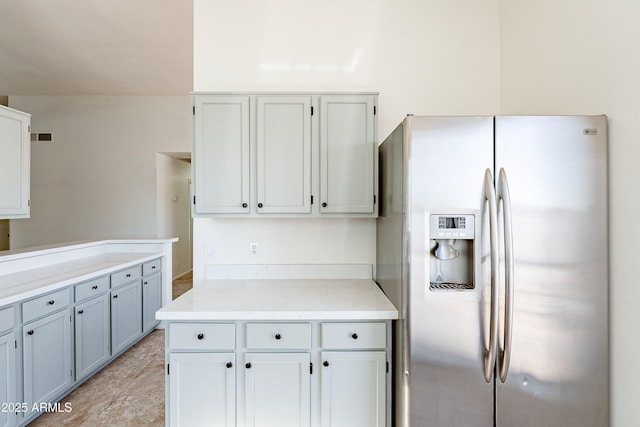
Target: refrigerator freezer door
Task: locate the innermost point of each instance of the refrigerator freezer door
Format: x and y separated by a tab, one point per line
448	331
557	171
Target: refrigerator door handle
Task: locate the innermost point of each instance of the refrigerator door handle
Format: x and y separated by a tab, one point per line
490	353
505	353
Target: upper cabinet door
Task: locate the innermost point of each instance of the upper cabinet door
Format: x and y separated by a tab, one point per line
347	148
14	163
221	154
284	154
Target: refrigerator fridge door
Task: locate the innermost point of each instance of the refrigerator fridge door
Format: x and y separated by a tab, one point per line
556	169
448	329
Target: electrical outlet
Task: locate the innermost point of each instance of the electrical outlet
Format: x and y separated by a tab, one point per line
254	248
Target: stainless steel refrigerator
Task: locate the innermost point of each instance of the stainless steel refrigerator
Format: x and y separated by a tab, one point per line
492	244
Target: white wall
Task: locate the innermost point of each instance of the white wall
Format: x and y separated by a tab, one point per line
581	57
429	57
174	208
97	178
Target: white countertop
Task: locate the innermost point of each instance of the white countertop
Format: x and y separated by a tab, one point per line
26	284
281	299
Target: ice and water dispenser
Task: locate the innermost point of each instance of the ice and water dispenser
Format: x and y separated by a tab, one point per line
452	256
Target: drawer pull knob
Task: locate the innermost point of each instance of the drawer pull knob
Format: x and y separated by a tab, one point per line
51	302
115	297
129	275
153	267
200	336
248	366
80	311
145	283
259	205
278	336
30	332
229	365
324	204
354	336
325	363
244	205
94	287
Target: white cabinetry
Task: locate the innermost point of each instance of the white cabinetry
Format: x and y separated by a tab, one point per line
221	154
8	378
285	155
14	163
291	373
126	316
277	389
151	300
347	154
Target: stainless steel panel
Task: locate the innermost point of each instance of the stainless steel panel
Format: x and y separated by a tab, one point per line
447	331
557	171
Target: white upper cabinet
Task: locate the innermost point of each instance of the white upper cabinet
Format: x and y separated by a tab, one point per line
221	154
14	163
283	166
285	155
347	154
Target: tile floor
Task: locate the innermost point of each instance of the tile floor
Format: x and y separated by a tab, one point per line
127	392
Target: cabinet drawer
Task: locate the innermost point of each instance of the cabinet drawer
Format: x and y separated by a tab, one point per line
45	304
151	267
278	335
202	336
7	318
354	335
125	276
91	288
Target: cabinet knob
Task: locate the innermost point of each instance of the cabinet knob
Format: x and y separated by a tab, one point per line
278	336
248	366
354	336
244	205
51	302
80	311
259	205
200	336
115	297
324	204
325	363
94	287
229	365
129	275
144	283
30	332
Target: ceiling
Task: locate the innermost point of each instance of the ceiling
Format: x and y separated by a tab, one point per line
96	47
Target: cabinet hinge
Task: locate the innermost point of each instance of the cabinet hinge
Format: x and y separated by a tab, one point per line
194	110
29	202
387	367
374	199
312	199
168	369
375	110
194	200
15	344
311	368
312	110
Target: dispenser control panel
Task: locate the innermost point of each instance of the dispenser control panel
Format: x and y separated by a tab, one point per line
451	226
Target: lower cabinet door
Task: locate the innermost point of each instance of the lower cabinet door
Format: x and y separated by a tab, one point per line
277	389
151	300
47	357
202	389
92	335
353	389
8	380
126	316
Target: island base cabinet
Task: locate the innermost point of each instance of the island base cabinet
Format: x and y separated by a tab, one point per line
277	389
47	358
92	335
8	379
353	389
203	391
151	300
126	316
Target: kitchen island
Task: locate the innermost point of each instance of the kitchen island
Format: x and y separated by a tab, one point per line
67	310
286	352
